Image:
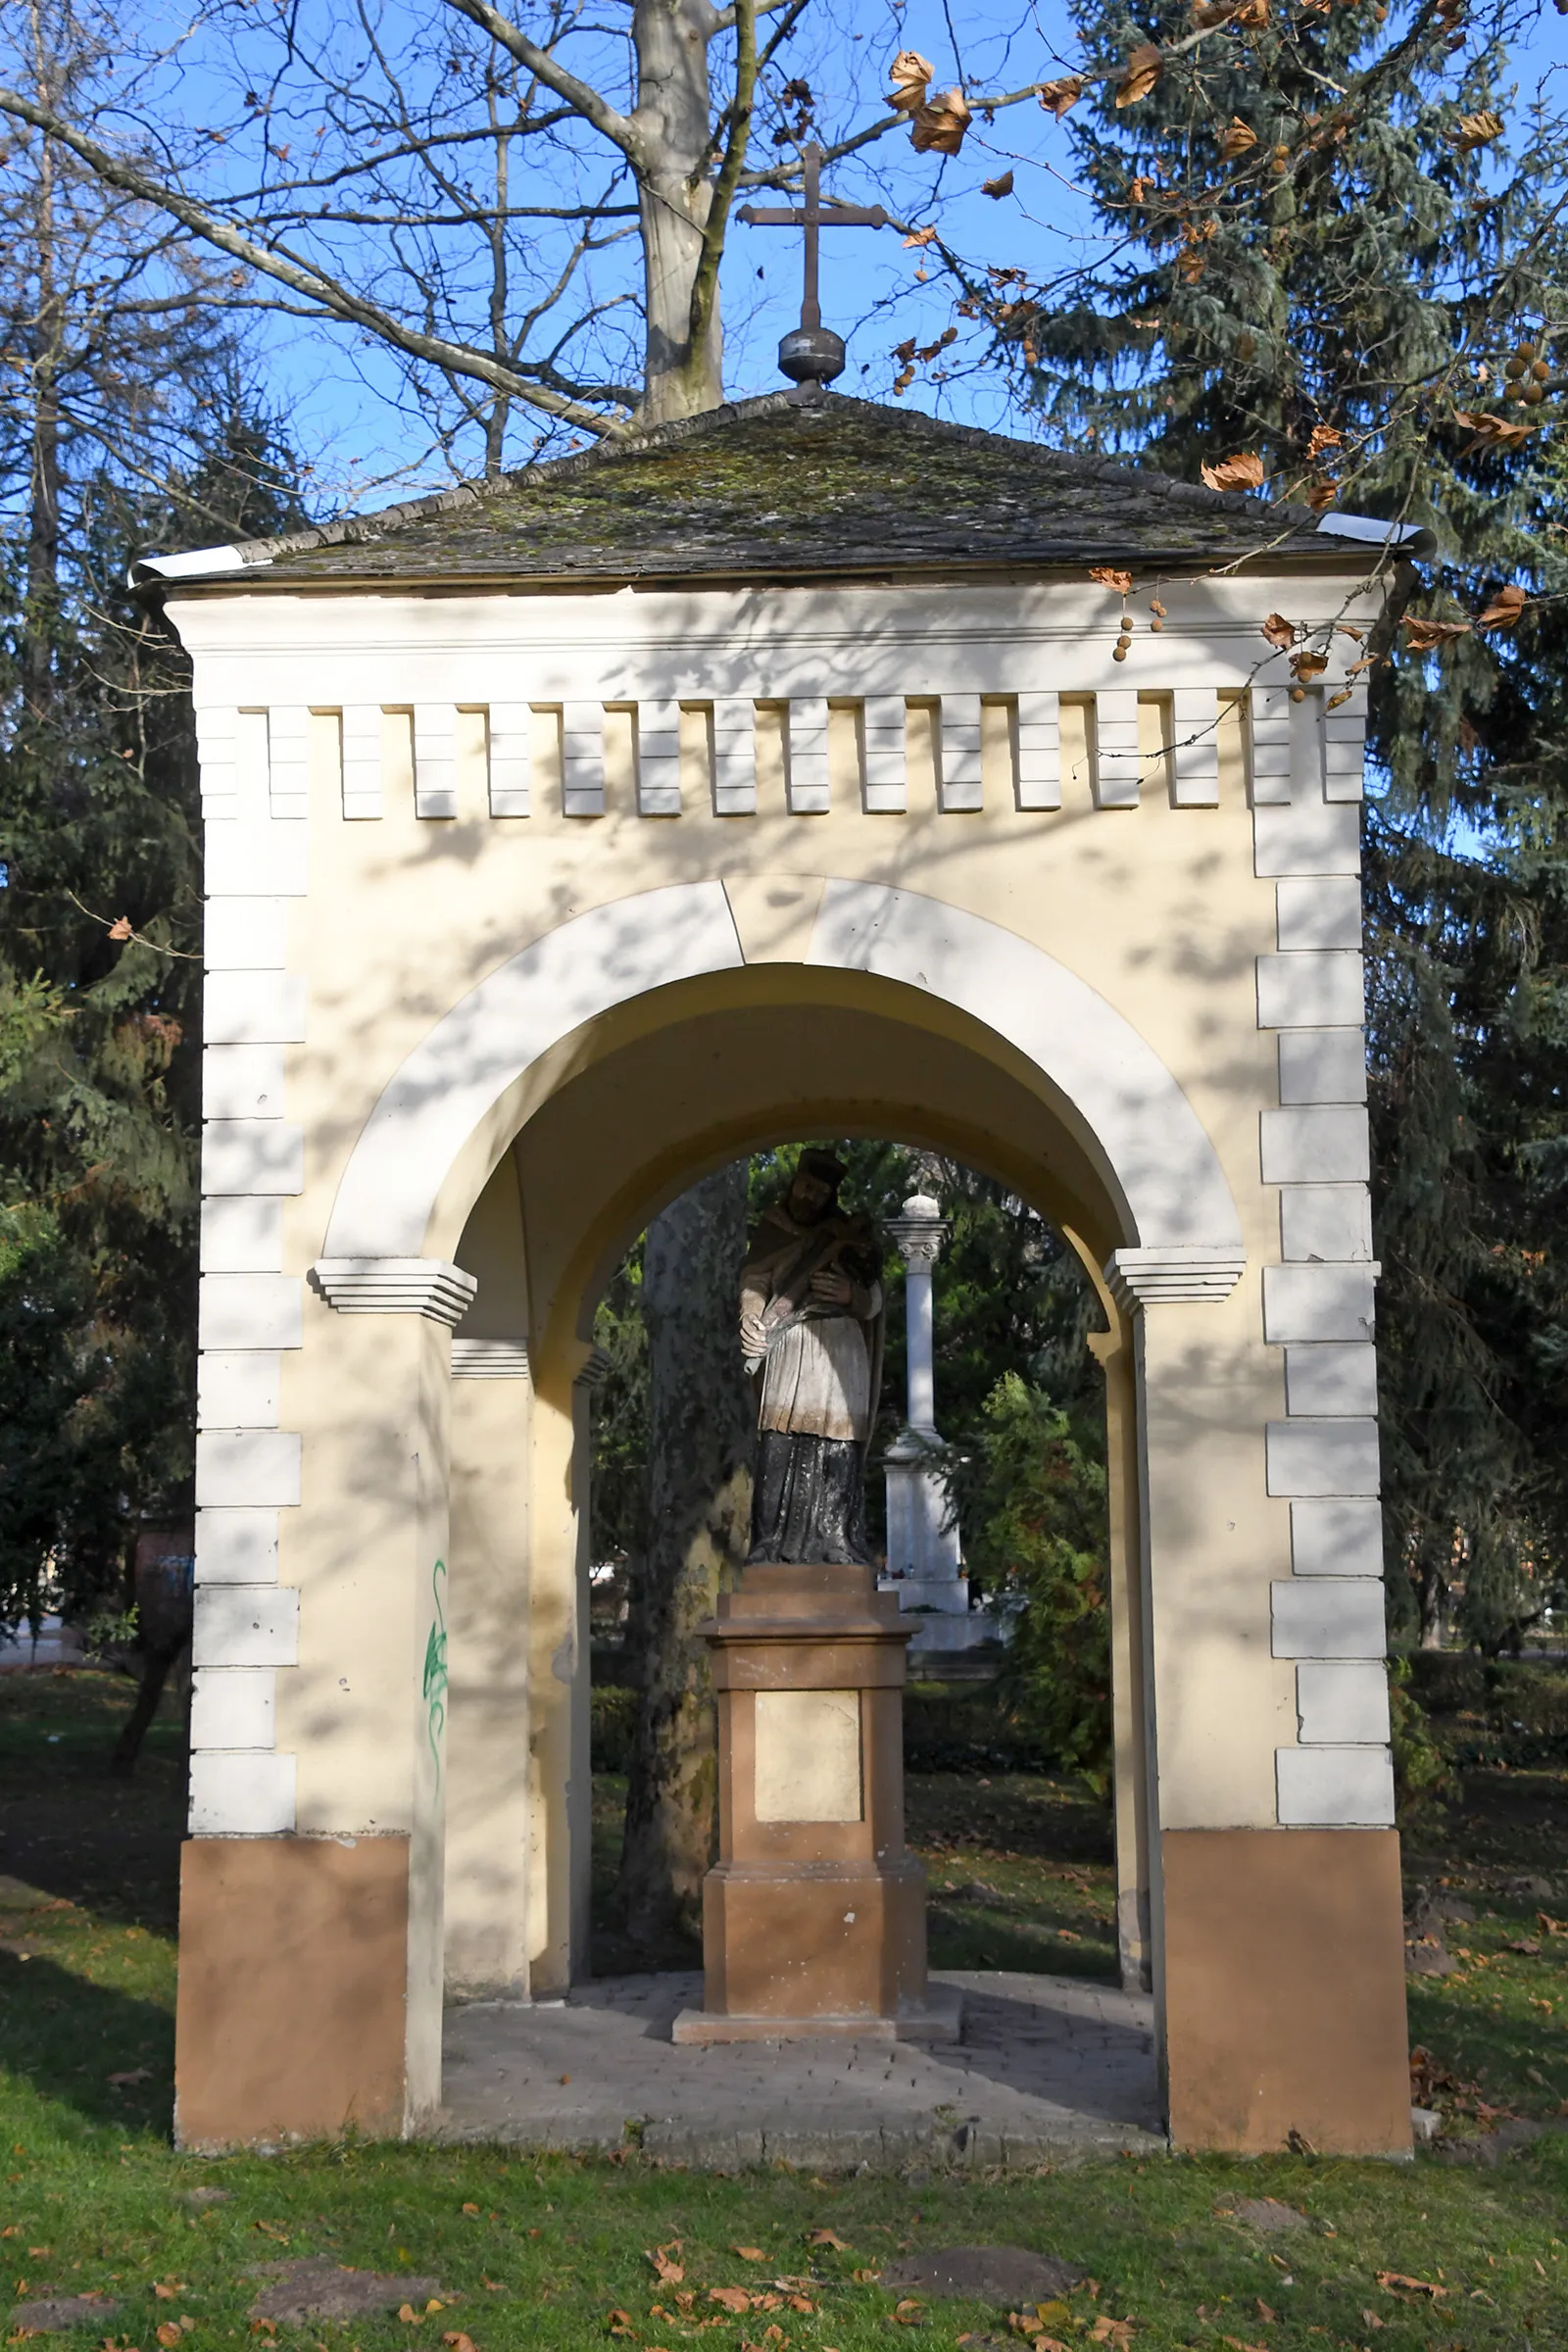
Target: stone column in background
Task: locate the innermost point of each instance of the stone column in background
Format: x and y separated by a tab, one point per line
925	1557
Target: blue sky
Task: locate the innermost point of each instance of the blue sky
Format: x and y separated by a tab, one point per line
337	397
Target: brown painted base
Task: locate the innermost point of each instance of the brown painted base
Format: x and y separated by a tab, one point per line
941	2021
293	1969
830	1940
1284	2019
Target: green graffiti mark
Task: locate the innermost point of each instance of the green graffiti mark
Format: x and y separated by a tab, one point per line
435	1671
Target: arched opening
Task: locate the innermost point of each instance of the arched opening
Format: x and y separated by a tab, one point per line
623	1117
1007	1719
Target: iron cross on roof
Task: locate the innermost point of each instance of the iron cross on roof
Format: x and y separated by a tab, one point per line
811	353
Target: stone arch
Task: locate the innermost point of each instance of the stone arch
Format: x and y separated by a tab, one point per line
1160	1167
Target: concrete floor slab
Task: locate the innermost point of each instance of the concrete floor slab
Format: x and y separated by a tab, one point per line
1049	2069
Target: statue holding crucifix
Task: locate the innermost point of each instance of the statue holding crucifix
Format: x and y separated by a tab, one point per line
811	353
811	1335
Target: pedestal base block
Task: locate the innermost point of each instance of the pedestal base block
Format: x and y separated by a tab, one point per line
833	1939
940	2020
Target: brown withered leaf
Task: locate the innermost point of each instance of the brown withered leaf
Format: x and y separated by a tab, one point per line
120	927
825	2237
1504	609
1109	577
910	2313
169	2333
1477	130
1238	139
730	2299
940	126
1400	2282
1500	433
458	2342
1423	637
920	236
1057	96
750	2253
866	2278
909	76
1142	69
666	2269
1324	437
1244	472
617	2322
1308	665
1279	633
1002	186
1190	265
1320	496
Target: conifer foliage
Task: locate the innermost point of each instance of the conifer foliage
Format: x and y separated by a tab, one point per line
1341	279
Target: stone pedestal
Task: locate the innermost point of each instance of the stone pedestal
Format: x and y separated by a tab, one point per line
813	1917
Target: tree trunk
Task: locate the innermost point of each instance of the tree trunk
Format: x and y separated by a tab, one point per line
41	608
675	189
701	1436
1432	1589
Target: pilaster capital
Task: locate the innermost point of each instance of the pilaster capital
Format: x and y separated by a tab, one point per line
395	1286
1174	1271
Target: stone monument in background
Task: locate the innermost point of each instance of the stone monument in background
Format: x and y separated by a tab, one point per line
925	1548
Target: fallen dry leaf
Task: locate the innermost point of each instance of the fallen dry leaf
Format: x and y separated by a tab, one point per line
1400	2282
618	2323
909	2313
1501	613
1279	633
666	2269
866	2278
1142	69
169	2332
750	2253
1245	471
997	188
1264	2312
165	2289
1109	577
1119	2333
909	76
1477	130
940	126
730	2299
470	2209
459	2341
1238	139
408	2316
119	928
1057	96
272	2230
800	2303
825	2237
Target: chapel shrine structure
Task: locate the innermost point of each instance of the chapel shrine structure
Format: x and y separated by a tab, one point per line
784	772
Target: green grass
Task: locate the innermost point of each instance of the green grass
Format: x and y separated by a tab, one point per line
91	2195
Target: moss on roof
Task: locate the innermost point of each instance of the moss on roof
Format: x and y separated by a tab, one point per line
782	486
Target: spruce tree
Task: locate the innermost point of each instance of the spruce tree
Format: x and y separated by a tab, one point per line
1331	247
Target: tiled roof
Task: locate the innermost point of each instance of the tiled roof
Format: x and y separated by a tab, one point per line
786	487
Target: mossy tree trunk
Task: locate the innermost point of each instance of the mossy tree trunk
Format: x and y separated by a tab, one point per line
701	1438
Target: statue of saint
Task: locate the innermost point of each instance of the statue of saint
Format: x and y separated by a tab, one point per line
811	1334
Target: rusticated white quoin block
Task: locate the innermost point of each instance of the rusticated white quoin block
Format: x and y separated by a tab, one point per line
248	1466
1318	1302
1331	1222
1322	1065
252	1156
1313	1457
250	1310
1310	989
237	1390
1328	1617
1317	1143
1334	1788
233	1706
1339	1377
1344	1703
1318	911
236	1546
1339	1535
248	1793
246	1625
